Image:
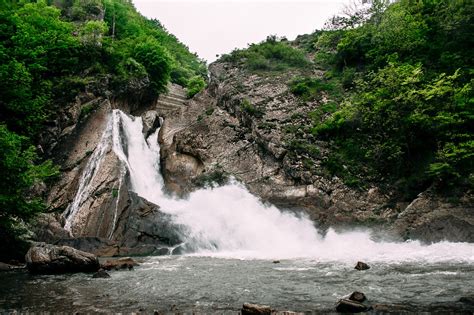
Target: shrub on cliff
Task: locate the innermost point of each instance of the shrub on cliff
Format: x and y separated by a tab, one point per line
269	55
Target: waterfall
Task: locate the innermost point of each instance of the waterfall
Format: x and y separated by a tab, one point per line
87	177
229	221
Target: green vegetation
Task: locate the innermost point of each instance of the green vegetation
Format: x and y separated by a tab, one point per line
270	55
50	53
308	88
250	109
408	111
195	85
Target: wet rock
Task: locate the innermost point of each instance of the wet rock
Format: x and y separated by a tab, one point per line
50	259
101	247
48	229
361	266
6	267
467	300
276	261
357	296
432	218
121	263
349	306
254	309
151	122
142	228
101	274
393	308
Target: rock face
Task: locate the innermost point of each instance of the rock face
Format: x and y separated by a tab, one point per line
216	134
431	218
102	214
244	125
49	259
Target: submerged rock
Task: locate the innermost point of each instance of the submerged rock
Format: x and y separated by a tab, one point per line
467	299
361	266
349	306
121	263
49	259
254	309
101	274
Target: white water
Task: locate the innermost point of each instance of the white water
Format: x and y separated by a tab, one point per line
230	222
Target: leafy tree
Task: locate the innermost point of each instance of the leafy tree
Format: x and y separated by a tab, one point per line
20	172
195	85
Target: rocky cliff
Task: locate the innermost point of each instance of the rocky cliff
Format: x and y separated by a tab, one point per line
239	127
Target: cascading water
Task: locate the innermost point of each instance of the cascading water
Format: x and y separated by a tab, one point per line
228	221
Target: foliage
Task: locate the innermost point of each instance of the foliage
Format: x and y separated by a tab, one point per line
270	55
195	85
19	172
308	88
400	86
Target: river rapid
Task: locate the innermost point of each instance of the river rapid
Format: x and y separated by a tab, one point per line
201	284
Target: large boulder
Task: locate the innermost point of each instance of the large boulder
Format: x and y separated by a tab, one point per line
50	259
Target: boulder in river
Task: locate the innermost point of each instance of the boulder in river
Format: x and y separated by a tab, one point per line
254	309
349	306
101	274
357	296
50	259
361	266
121	263
467	299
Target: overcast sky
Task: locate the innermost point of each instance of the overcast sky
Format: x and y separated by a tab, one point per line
211	27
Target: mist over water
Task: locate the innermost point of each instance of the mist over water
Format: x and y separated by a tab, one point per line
230	222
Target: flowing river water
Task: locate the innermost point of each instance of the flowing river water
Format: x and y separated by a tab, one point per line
235	239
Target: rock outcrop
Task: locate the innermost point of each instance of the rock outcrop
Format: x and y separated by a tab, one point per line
432	218
50	259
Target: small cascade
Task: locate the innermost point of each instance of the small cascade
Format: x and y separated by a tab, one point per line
88	176
228	221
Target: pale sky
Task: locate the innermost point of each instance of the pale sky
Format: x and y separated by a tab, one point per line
211	27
